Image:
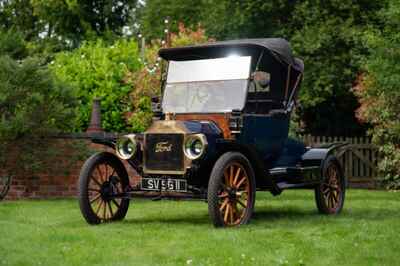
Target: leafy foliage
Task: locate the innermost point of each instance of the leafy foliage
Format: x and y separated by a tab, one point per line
69	21
379	92
327	35
97	69
31	97
33	105
12	44
153	13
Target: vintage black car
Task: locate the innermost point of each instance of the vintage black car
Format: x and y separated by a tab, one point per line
220	134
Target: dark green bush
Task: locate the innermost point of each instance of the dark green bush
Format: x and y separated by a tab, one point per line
12	44
33	106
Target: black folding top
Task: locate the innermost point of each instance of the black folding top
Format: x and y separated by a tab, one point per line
278	47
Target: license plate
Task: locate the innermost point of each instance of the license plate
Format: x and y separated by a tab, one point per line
162	184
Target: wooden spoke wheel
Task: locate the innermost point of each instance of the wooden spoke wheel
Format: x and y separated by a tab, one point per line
5	182
330	194
102	182
231	190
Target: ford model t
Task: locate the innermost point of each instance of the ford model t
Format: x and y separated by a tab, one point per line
220	134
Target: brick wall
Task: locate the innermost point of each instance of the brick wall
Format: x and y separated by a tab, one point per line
55	184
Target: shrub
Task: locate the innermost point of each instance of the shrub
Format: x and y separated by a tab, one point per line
33	105
12	44
98	69
378	90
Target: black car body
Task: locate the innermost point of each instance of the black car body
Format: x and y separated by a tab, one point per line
220	133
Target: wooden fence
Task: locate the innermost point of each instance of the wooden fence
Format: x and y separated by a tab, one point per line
359	159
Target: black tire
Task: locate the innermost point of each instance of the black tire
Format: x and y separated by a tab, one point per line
93	181
330	194
5	183
231	195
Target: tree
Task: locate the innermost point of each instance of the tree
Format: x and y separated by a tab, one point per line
33	105
154	12
327	35
69	22
19	15
222	19
378	90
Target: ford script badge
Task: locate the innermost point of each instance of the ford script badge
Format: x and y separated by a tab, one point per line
163	147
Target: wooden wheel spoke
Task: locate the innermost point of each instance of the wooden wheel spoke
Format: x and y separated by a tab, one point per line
328	201
223	195
332	200
224	204
234	210
100	173
241	203
95	198
93	189
116	203
105	210
110	209
241	192
106	171
231	176
326	190
236	177
226	213
238	214
336	196
99	207
95	180
241	182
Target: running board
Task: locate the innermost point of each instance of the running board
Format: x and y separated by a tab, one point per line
291	170
294	177
284	185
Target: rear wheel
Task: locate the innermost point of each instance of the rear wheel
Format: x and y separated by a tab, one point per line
330	194
102	182
231	191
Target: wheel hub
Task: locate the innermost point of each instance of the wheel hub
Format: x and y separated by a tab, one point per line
106	190
232	193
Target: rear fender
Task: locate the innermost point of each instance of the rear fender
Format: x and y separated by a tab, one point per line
317	156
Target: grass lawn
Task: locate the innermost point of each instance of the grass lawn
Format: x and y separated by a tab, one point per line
286	230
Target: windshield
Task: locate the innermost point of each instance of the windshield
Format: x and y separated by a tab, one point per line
206	86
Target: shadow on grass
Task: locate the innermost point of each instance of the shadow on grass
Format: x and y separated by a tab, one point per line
274	215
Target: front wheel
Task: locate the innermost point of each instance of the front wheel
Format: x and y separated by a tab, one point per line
102	183
231	190
330	194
